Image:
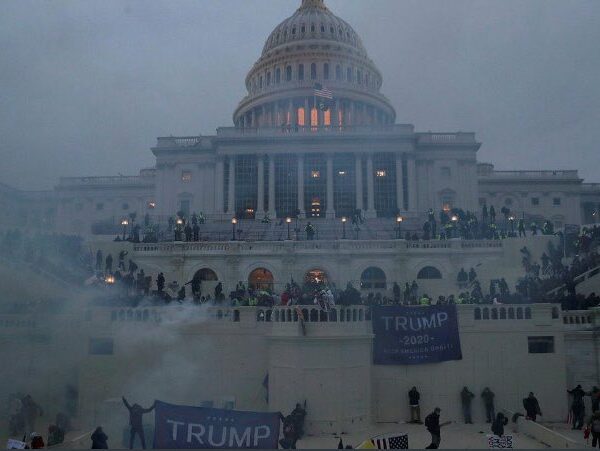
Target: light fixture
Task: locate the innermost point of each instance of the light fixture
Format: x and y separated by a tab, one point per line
399	219
380	173
234	221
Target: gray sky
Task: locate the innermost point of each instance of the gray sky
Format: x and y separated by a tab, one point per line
87	86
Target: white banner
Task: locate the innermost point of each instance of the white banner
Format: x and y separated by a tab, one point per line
15	444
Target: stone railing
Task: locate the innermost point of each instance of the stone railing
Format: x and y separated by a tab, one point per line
182	141
235	132
98	181
568	174
308	246
578	319
446	138
350	314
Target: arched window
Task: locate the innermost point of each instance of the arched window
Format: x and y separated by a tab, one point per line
278	75
429	272
268	78
359	76
260	82
486	313
288	73
312	28
300	71
303	29
313	71
349	74
261	279
511	313
326	71
372	277
338	72
477	313
206	274
528	313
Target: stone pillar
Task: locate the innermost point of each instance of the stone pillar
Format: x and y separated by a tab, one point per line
359	182
370	213
330	212
411	172
307	112
260	203
399	183
219	203
231	207
301	185
276	120
352	114
272	211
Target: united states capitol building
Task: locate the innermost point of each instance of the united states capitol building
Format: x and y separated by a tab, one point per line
295	155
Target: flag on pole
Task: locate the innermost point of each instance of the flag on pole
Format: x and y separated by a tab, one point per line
323	92
387	441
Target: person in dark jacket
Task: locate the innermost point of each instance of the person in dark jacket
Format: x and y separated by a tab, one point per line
466	397
488	401
415	410
498	425
594	424
595	395
532	407
432	423
99	439
135	421
577	407
37	442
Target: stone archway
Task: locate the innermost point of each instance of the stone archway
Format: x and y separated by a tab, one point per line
209	281
261	279
315	278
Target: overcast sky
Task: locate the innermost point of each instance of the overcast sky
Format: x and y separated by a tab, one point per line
87	86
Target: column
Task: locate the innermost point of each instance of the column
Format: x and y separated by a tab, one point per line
231	209
359	182
219	204
352	114
371	213
411	172
301	185
253	115
260	204
330	212
272	211
307	113
399	183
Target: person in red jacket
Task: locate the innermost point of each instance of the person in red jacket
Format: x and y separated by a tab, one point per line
37	442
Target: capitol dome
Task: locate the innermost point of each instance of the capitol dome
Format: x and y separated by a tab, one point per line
313	49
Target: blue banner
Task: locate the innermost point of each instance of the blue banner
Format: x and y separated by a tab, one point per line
415	335
184	427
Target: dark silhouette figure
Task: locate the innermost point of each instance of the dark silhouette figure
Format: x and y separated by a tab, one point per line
577	407
135	421
99	260
99	439
466	397
498	425
160	282
488	401
432	423
532	407
108	263
414	398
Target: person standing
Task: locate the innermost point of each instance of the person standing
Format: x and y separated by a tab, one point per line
414	398
160	282
577	407
466	397
99	439
488	401
595	395
136	413
532	407
432	423
594	425
498	425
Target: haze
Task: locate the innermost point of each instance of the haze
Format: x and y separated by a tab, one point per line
86	87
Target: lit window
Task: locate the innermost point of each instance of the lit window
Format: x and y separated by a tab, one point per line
151	205
380	173
556	201
342	173
186	176
315	174
301	117
314	117
327	118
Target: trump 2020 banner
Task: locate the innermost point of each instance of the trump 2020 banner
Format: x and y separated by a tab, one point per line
415	335
184	427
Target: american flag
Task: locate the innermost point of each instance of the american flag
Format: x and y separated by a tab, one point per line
321	91
390	441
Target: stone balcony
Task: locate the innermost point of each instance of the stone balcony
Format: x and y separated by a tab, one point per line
125	180
530	175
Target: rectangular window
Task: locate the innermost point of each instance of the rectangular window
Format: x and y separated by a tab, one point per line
540	345
315	185
101	346
556	201
301	72
186	176
385	184
184	206
535	201
99	206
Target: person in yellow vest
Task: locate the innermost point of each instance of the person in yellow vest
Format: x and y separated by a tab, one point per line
425	300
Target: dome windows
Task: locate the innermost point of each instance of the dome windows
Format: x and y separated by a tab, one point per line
268	78
349	76
294	31
338	72
278	75
313	71
332	30
326	71
359	76
303	29
288	73
300	71
313	28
